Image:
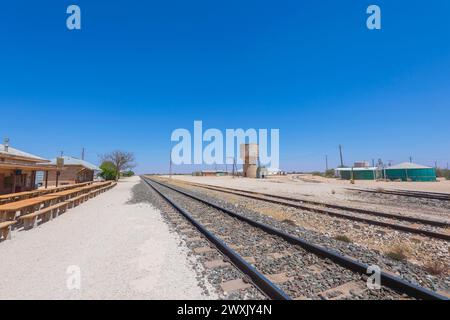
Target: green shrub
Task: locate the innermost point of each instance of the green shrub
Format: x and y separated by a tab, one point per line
108	171
443	173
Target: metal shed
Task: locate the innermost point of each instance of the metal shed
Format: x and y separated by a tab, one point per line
369	173
410	172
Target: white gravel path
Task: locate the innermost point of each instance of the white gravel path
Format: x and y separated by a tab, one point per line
123	252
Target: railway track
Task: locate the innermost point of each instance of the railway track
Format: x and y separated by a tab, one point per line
408	193
431	228
281	265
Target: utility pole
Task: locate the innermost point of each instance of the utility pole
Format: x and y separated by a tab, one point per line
340	153
326	162
82	154
234	167
170	166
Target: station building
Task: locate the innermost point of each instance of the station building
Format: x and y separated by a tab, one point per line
18	169
74	171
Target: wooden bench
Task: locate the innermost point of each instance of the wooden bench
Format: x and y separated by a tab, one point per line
46	214
5	229
73	202
101	190
96	192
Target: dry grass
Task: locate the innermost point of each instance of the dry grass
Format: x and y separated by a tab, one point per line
273	212
436	268
343	238
397	253
289	221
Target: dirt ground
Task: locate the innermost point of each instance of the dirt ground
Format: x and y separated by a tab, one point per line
307	183
336	192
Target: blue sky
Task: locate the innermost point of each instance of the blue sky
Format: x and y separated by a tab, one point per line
140	69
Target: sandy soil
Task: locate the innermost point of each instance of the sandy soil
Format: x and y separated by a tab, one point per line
122	251
442	185
308	182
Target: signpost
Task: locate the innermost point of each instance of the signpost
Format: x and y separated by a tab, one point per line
59	167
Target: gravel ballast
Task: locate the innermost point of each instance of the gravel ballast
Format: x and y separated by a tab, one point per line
405	270
300	274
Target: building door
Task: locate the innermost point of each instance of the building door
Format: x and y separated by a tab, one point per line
21	181
2	183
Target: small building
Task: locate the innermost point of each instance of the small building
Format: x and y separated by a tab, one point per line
18	169
361	164
404	172
360	173
408	171
74	171
274	172
262	172
210	173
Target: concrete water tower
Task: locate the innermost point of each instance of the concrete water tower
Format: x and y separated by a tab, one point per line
249	153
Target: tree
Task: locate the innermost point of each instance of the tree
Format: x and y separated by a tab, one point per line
128	173
120	160
108	170
330	173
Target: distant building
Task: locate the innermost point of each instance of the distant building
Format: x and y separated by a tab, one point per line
404	172
361	164
74	171
262	172
274	171
364	173
408	171
210	173
18	169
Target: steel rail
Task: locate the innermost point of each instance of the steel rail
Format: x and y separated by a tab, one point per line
333	206
387	279
408	193
432	234
258	279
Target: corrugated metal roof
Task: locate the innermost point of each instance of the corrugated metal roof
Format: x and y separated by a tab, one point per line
408	165
70	161
18	153
357	169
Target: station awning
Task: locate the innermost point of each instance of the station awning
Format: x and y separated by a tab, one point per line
36	167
